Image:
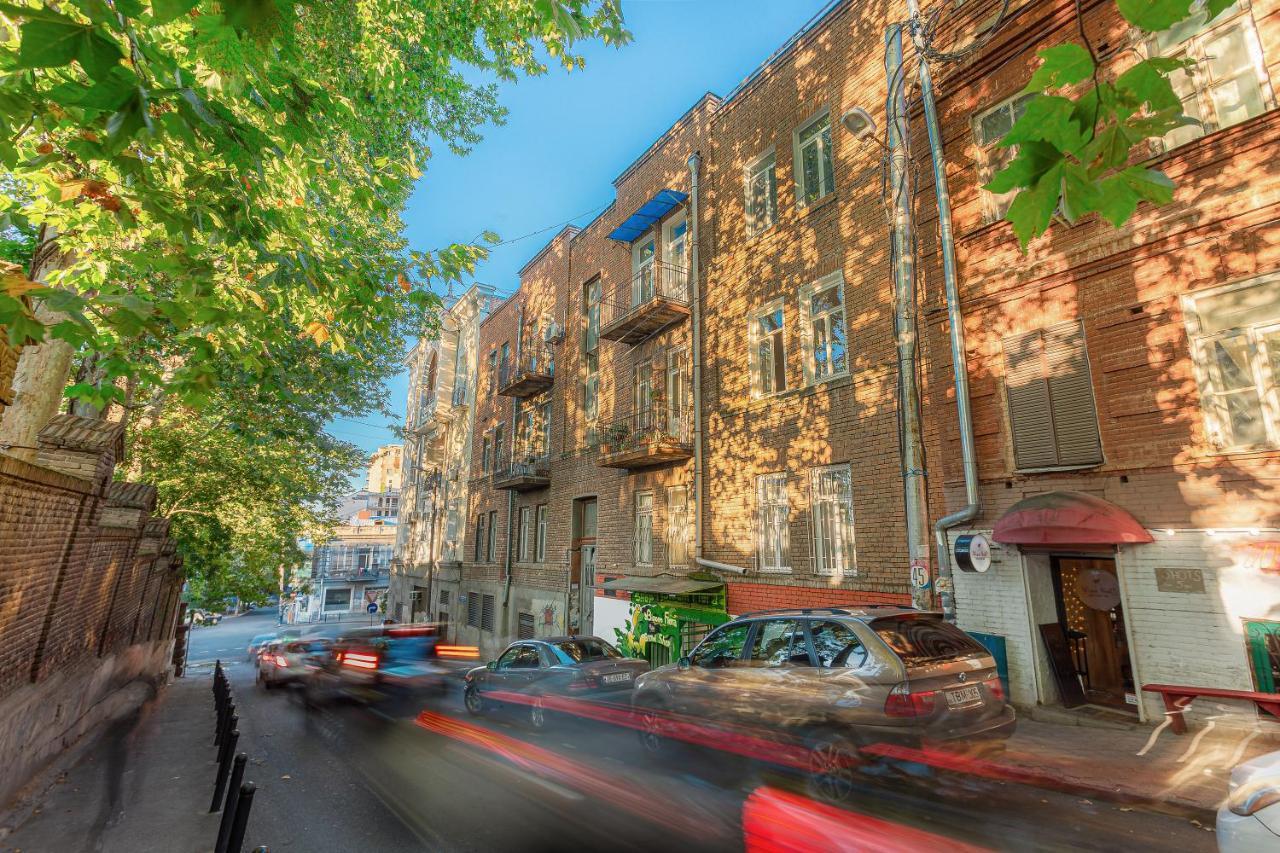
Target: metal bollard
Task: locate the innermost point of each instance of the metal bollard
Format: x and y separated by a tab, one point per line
229	807
220	781
224	725
243	804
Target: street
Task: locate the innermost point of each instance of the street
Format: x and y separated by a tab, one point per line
345	779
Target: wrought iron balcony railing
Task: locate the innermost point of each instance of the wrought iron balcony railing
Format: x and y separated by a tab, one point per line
523	474
656	297
648	437
530	374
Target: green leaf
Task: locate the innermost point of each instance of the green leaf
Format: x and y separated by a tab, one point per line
1080	194
1147	83
1032	161
106	95
50	43
1154	15
124	124
1051	119
1217	7
1033	208
1063	65
164	11
1150	184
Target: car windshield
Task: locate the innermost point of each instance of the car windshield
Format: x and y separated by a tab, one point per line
581	651
920	639
262	639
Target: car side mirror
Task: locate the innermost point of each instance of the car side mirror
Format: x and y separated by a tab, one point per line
491	665
684	662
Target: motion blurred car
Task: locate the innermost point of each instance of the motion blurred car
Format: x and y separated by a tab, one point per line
289	662
847	683
391	666
256	644
529	671
1250	818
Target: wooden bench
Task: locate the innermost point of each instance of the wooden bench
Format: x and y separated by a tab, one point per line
1177	697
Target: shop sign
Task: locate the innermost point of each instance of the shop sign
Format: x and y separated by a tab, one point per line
1179	580
1263	557
1098	588
973	553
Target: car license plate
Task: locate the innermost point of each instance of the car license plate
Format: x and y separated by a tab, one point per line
617	678
963	696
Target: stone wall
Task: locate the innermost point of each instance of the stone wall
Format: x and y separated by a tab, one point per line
89	588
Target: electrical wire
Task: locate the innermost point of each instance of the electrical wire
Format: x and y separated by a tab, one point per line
929	28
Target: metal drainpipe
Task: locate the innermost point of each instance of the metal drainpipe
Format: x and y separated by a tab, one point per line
904	297
511	495
695	163
959	366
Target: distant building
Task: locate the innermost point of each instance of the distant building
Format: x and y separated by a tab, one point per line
385	469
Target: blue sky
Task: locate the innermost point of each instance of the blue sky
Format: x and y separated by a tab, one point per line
568	135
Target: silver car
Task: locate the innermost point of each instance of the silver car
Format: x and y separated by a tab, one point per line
843	683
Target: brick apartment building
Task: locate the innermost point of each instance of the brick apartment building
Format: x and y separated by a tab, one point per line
1123	382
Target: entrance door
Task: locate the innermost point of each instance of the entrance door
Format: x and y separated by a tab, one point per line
1087	591
582	567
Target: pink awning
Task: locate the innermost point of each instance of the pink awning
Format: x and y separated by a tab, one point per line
1068	518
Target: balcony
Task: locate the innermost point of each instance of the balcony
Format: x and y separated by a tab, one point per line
530	374
524	476
650	437
459	392
658	296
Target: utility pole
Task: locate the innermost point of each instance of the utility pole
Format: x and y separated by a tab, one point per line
904	321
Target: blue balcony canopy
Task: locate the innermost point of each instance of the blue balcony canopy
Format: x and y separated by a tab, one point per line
648	213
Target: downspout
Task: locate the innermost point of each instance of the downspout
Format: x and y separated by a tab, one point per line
904	321
959	366
511	495
695	164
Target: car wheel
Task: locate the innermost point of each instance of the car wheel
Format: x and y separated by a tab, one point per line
652	728
474	701
833	764
537	714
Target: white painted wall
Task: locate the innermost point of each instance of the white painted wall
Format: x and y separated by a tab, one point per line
611	613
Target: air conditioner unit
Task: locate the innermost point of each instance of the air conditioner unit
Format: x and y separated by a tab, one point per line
552	333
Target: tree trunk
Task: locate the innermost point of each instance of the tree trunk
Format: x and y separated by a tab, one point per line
89	372
41	376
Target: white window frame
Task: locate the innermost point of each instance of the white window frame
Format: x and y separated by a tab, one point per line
642	552
591	389
640	293
540	538
766	510
525	533
842	535
806	294
679	531
1193	47
994	205
755	337
676	387
753	220
669	241
798	161
1266	383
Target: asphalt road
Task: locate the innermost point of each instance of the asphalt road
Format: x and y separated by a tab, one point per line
345	779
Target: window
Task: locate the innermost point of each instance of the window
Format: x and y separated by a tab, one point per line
444	598
544	422
504	362
491	551
482	537
762	193
833	548
644	529
989	127
486	455
822	305
520	657
591	388
524	629
486	613
780	642
773	523
837	646
473	610
769	353
499	456
1228	83
675	236
642	271
679	526
642	395
1051	410
540	542
493	370
814	175
1235	345
924	638
525	534
722	647
591	294
337	599
677	391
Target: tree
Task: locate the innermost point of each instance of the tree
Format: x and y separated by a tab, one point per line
1081	138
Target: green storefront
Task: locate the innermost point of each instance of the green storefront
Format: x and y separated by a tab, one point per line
670	614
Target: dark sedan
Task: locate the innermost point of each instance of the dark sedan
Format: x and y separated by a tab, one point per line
531	672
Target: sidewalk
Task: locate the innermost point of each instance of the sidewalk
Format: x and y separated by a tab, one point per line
144	786
1188	772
